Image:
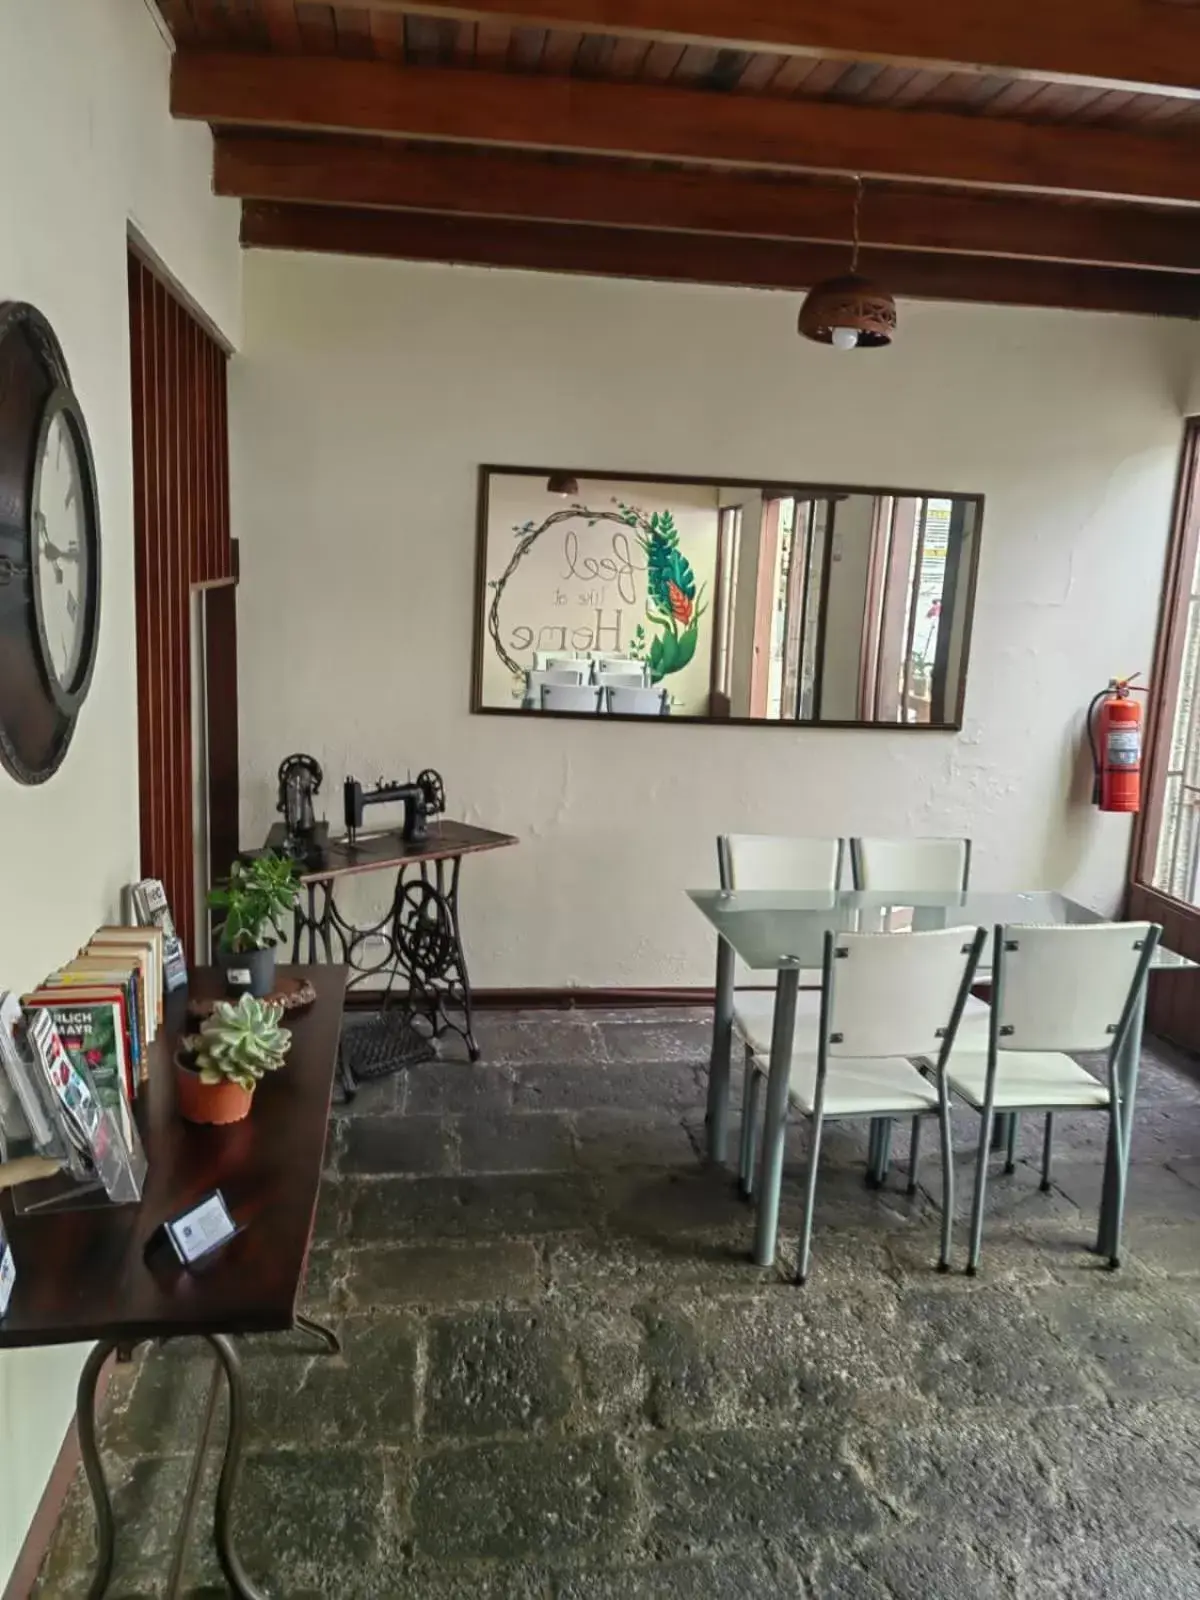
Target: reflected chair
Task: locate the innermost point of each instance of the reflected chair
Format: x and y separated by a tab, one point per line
557	658
1072	987
571	697
634	700
772	861
886	999
537	679
631	677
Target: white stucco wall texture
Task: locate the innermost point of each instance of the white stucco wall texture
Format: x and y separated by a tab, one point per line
89	150
369	392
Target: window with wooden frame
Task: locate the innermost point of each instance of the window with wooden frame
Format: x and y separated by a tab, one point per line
1165	863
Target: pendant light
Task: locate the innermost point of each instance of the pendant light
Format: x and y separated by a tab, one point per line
849	312
562	483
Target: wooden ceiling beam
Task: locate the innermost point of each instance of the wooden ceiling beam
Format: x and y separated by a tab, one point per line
1107	42
758	263
350	96
507	183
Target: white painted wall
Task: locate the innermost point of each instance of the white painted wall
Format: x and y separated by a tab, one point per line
370	391
88	149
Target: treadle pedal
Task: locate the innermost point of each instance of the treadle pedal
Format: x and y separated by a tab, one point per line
387	1043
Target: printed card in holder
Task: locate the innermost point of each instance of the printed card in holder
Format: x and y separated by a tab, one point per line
8	1271
190	1238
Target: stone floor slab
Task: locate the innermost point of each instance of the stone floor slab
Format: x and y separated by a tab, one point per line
497	1372
535	1141
394	1144
717	1488
521	1499
441	1274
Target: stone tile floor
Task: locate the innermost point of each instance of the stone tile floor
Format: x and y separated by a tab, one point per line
562	1377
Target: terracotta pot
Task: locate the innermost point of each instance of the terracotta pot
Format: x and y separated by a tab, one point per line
209	1102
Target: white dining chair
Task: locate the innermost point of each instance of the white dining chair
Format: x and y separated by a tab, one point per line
571	697
937	865
538	677
557	658
934	866
631	677
887	1000
1060	988
634	700
783	862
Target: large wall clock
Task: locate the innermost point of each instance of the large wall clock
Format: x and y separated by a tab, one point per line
49	548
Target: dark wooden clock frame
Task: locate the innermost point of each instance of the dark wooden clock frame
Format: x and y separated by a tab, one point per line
37	714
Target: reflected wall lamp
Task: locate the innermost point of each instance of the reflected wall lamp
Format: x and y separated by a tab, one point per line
562	483
849	312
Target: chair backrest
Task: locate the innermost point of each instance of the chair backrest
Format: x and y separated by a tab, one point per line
935	865
570	697
624	674
778	861
1068	986
629	700
564	674
896	994
553	658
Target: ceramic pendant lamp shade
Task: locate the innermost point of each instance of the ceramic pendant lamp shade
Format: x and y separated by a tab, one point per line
849	312
562	483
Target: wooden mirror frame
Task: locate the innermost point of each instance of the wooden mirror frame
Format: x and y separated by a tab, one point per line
767	487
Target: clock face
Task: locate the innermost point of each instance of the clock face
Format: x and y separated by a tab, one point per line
61	549
49	548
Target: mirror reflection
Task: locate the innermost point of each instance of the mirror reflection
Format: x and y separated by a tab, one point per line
618	596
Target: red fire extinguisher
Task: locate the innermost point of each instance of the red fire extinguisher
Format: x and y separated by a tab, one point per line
1115	733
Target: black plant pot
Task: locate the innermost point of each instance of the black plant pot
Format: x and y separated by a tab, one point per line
248	971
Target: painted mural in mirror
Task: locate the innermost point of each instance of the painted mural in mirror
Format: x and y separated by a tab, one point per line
618	596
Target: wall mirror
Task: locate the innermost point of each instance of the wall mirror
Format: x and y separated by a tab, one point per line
601	594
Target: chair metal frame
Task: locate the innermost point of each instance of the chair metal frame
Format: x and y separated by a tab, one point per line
752	1077
836	949
1120	1126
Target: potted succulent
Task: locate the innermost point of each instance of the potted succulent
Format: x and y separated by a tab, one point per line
255	898
218	1069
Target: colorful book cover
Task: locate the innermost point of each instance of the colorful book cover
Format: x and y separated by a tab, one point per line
100	971
57	989
149	902
92	1034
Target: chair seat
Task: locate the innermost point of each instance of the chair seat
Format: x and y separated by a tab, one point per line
862	1086
1026	1079
754	1018
975	1007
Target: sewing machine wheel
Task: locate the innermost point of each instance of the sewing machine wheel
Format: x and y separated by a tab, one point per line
424	934
430	782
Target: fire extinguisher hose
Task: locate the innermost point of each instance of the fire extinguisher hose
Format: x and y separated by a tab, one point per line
1091	733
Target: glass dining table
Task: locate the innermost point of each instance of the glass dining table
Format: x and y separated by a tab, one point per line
783	932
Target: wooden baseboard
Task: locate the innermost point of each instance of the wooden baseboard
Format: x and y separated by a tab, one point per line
45	1518
559	999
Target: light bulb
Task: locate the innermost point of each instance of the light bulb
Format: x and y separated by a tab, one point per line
844	338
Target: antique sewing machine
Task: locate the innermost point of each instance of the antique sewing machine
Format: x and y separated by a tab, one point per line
299	780
422	799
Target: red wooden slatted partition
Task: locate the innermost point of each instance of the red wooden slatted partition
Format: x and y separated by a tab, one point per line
181	531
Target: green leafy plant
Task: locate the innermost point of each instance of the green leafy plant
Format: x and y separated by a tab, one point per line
673	602
255	898
240	1042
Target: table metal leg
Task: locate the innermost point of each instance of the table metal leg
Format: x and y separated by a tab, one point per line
85	1422
317	1330
231	1565
312	923
1116	1161
766	1222
720	1064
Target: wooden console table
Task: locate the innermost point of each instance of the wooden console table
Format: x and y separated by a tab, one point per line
418	937
82	1275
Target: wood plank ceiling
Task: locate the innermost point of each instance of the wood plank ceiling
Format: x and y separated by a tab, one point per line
1041	152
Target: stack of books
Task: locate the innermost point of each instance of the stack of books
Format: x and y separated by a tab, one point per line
74	1058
